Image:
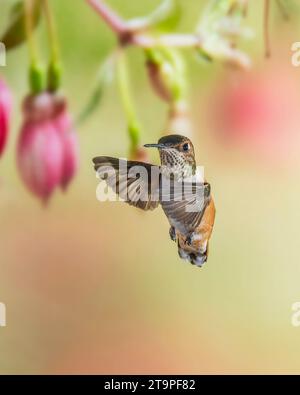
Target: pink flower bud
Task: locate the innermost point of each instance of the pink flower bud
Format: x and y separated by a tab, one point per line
166	73
158	80
5	110
39	149
39	107
63	124
47	147
40	158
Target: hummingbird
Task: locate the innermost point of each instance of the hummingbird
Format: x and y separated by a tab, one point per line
184	197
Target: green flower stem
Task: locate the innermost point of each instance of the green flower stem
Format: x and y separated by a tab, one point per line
54	70
29	31
36	72
51	31
134	128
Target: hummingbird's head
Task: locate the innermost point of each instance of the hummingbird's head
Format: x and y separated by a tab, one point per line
176	152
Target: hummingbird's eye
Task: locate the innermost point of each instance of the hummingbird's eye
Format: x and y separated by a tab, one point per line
185	147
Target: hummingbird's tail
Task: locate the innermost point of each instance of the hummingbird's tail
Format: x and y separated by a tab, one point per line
194	251
197	259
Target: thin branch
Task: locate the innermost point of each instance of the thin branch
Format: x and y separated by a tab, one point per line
113	20
170	40
130	34
122	28
134	127
29	31
51	31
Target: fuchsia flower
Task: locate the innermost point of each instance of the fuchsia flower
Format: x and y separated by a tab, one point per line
5	110
47	146
63	124
39	150
40	158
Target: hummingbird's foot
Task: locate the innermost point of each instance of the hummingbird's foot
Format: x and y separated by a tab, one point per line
172	233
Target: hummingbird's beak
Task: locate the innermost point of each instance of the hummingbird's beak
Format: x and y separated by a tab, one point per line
154	146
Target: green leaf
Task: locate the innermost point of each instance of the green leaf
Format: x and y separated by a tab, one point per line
164	18
104	77
16	8
167	16
287	8
15	33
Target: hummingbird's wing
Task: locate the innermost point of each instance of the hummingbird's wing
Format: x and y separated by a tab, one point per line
137	183
184	204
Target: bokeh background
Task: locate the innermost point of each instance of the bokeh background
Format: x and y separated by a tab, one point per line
98	287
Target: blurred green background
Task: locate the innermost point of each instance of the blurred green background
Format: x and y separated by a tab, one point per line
95	287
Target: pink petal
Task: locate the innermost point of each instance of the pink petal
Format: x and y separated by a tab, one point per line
40	158
63	124
5	110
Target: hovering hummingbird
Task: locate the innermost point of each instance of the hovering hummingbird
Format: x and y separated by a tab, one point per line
185	199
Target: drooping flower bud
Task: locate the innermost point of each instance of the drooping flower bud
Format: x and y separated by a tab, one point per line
159	75
40	158
166	73
63	123
39	149
5	110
